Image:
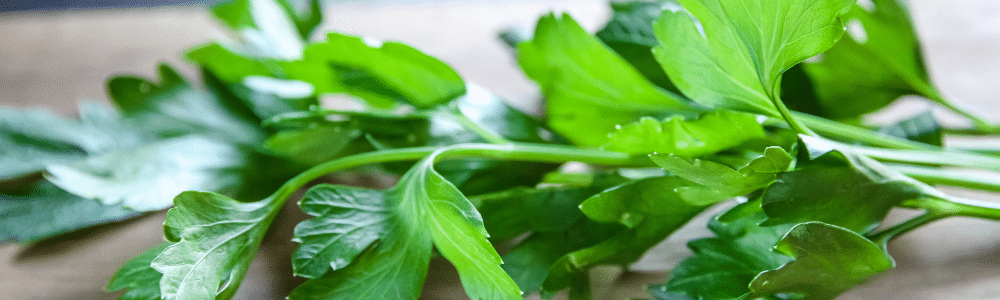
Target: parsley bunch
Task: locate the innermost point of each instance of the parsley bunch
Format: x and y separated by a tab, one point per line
673	108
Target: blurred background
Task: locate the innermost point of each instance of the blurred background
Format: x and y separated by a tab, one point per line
55	53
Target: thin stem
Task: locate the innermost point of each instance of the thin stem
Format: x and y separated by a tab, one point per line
986	182
955	206
792	122
936	158
538	153
977	118
843	131
883	237
482	132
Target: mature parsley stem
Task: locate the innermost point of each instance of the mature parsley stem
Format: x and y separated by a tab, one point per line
980	122
521	152
792	121
843	131
883	237
986	182
482	132
937	158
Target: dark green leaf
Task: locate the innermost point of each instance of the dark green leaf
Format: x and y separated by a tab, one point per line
723	266
649	207
422	210
715	182
46	211
734	54
589	86
141	280
31	140
829	260
216	239
921	128
713	132
173	108
553	220
382	74
877	63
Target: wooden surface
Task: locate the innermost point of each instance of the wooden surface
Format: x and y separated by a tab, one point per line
57	59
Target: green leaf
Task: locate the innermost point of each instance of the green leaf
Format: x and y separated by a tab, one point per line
875	65
173	108
648	207
381	74
587	85
921	128
553	221
226	64
148	177
723	266
269	28
840	188
735	53
141	280
630	34
838	257
422	210
30	140
716	182
216	239
47	211
713	132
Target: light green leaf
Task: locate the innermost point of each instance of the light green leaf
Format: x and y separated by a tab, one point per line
630	34
46	211
141	280
216	239
716	182
587	85
713	132
148	177
380	73
423	209
734	54
829	260
878	62
268	28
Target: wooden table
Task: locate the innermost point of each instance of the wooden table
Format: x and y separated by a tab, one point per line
55	59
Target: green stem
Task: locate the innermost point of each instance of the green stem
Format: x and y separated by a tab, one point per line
883	237
977	118
482	132
955	206
986	182
537	153
936	158
792	121
843	131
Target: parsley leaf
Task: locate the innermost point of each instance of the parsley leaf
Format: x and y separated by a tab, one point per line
380	73
716	182
215	239
839	257
587	85
879	62
630	34
735	53
141	280
422	210
713	132
46	211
